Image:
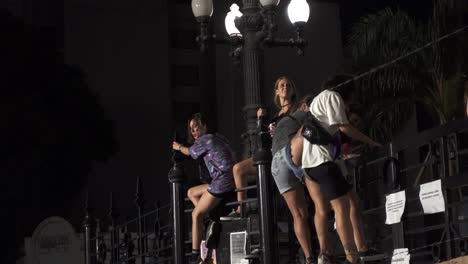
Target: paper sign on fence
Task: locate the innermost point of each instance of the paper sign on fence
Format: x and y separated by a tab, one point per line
238	241
431	197
394	207
400	256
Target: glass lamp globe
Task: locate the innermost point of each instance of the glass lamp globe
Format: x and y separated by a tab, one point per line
298	11
202	8
269	2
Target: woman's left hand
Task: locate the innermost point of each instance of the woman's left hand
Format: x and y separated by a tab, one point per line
176	146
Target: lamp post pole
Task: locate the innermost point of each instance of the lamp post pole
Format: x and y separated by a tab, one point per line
250	25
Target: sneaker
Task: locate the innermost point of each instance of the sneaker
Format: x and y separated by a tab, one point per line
325	259
231	216
310	260
196	260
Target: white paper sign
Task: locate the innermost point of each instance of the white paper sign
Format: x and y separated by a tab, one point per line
431	197
238	241
400	256
394	207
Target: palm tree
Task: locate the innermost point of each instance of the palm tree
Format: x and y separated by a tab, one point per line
431	76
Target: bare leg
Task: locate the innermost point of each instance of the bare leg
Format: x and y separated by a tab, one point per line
297	205
356	221
322	206
322	209
344	228
206	203
240	171
196	192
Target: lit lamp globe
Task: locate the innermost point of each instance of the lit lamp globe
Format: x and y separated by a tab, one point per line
202	9
229	23
268	3
298	11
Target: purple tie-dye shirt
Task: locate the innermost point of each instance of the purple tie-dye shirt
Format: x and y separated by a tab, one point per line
219	160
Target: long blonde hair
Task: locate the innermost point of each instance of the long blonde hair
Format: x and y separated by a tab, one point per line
293	93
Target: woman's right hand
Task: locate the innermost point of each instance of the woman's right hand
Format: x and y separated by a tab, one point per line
261	112
176	146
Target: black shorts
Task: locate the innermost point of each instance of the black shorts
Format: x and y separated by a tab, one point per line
332	183
221	209
225	196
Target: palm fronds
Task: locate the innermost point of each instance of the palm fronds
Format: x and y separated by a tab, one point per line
430	76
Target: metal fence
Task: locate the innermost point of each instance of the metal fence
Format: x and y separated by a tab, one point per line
162	235
439	153
146	238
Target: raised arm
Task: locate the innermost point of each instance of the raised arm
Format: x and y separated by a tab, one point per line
181	148
352	132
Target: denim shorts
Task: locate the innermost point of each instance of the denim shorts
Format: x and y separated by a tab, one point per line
285	173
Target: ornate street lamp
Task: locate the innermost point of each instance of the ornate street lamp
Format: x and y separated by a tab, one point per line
250	32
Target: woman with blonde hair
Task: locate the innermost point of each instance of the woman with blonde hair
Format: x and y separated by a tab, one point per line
284	98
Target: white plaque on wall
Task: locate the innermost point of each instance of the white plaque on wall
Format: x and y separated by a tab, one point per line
54	242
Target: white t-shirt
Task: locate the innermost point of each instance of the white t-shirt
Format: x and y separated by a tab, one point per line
329	109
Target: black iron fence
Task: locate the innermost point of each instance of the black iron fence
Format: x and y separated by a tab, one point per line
146	238
440	153
162	235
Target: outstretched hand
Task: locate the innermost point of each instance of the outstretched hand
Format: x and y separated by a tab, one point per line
176	146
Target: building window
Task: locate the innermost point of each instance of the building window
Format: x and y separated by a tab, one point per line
184	39
185	76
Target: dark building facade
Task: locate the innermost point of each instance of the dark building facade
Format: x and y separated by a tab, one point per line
143	61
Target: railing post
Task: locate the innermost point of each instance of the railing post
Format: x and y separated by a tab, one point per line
89	231
114	233
101	247
127	245
157	231
140	202
268	229
443	156
176	175
397	229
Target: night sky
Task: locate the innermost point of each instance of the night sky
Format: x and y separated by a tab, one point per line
51	132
